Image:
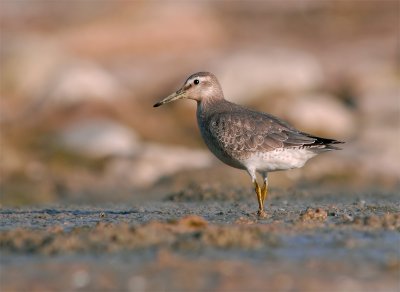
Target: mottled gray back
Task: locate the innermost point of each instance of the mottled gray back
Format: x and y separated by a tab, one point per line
241	132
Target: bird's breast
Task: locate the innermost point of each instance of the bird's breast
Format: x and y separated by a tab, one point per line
215	144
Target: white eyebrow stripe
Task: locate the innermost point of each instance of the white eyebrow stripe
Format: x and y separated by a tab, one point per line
201	78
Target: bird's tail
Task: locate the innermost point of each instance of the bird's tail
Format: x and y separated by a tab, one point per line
324	144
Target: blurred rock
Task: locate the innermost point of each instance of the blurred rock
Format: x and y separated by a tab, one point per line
99	138
248	74
40	70
377	147
318	114
154	161
83	81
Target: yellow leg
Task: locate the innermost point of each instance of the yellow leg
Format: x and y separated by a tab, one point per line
264	191
260	198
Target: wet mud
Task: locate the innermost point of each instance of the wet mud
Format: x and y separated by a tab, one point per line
203	238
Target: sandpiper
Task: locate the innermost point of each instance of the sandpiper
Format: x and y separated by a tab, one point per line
244	138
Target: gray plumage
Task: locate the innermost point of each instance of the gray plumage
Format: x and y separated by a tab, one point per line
233	132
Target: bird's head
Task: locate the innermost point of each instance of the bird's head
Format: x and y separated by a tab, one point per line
200	86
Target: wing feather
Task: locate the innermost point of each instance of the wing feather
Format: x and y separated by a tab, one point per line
246	132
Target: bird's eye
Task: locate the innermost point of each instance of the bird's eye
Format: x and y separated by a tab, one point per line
196	81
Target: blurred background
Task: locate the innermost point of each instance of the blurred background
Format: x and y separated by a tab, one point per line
79	78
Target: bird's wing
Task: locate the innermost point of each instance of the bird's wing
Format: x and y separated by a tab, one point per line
253	131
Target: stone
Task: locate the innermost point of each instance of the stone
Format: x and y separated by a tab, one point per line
245	76
98	138
84	81
155	161
321	114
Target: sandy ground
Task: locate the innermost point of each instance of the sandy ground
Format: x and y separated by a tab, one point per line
329	240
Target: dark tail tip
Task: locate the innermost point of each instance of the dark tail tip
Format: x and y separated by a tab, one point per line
328	143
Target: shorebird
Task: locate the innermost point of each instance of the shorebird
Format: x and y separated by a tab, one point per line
247	139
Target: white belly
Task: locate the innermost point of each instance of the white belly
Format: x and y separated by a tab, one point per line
279	159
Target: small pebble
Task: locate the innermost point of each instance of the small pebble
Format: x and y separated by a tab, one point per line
362	204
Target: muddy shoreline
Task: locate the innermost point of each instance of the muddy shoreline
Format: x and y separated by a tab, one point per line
314	240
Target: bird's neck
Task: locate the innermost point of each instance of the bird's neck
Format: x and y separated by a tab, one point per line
207	107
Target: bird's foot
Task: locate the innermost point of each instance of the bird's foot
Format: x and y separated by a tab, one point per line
261	214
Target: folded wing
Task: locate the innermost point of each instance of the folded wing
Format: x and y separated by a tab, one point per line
249	131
